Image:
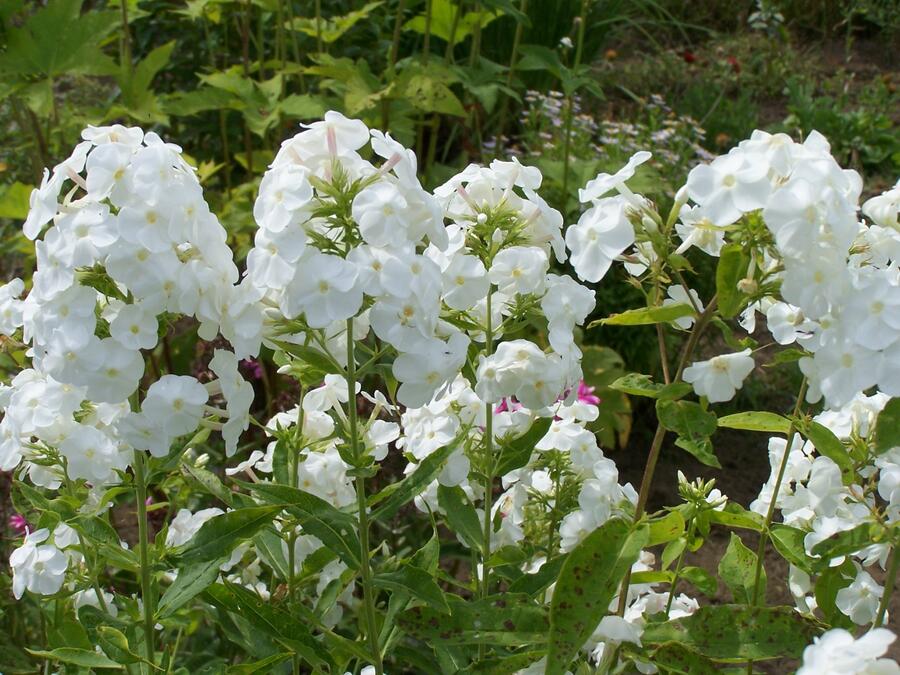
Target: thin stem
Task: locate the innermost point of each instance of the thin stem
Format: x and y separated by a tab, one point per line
893	561
140	484
362	509
579	49
656	443
126	37
504	110
319	26
770	513
679	564
488	476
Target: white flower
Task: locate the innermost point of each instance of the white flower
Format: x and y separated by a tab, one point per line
380	435
729	186
325	291
465	282
695	229
605	182
836	652
186	524
330	395
719	378
601	234
679	295
11	306
175	403
426	368
860	599
134	327
38	568
91	454
88	597
519	269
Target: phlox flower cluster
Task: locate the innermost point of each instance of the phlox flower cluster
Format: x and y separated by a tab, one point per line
813	497
838	277
131	244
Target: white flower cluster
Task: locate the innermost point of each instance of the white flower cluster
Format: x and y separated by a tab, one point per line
814	498
341	238
131	244
839	279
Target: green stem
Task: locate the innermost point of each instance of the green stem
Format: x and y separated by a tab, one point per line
770	513
679	564
488	476
504	110
579	49
893	560
140	483
361	508
126	37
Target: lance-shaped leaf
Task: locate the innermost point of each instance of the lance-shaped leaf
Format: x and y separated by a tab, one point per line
415	581
515	454
756	421
587	584
335	528
738	570
221	534
887	427
391	498
733	264
647	315
190	582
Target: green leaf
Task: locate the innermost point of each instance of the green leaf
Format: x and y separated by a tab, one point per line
14	200
756	421
265	616
788	541
266	664
705	582
190	582
735	515
395	495
737	633
442	20
848	542
830	445
587	584
208	482
429	94
77	657
335	528
332	28
646	315
826	588
665	529
515	454
507	619
59	40
675	658
738	570
221	534
534	583
887	427
461	515
417	582
733	264
642	385
694	426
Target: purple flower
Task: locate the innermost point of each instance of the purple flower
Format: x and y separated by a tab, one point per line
253	367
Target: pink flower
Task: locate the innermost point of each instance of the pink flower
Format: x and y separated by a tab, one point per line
18	523
586	394
507	405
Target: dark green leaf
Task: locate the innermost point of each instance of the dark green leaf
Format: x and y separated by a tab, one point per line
515	454
77	657
461	515
391	498
417	582
587	584
335	528
737	633
221	534
190	582
887	427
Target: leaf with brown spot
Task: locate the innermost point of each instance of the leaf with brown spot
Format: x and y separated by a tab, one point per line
587	584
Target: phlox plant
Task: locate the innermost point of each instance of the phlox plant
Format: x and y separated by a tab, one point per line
433	340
